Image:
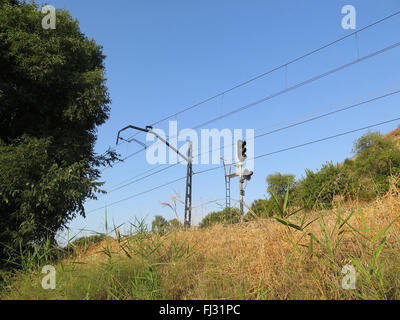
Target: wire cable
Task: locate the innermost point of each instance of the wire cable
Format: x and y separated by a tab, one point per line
309	143
118	187
285	65
140	179
280	92
254	158
299	85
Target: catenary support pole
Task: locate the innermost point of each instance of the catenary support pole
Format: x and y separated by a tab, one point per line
241	189
188	158
188	196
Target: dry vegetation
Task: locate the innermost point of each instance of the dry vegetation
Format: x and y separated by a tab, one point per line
396	135
262	259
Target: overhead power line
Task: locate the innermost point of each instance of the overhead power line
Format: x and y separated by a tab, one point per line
138	194
285	65
309	143
299	85
135	176
126	158
315	118
142	178
276	94
316	111
130	182
254	158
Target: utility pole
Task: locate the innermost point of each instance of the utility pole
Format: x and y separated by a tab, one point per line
188	195
241	157
189	173
243	174
241	189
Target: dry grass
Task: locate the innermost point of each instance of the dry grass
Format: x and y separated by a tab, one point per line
263	259
258	259
396	135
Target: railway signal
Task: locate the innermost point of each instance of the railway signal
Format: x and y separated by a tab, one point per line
241	150
243	175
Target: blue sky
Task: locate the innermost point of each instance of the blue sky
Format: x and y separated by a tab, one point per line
165	55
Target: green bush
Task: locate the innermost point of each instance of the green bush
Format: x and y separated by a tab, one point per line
377	158
175	224
319	188
226	216
278	184
160	225
366	177
262	208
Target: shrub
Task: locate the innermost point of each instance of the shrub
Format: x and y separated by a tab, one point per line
227	216
319	188
262	208
160	225
377	158
278	183
365	177
175	224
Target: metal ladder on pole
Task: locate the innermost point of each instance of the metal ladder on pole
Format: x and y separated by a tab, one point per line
227	185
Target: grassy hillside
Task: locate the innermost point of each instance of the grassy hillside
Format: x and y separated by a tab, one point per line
262	259
291	255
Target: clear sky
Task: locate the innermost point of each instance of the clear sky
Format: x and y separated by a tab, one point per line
165	55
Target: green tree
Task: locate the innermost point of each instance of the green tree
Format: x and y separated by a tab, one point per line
318	189
278	183
226	216
53	97
377	158
160	225
364	177
367	141
262	208
175	224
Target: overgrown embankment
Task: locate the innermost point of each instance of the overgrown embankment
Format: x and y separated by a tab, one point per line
261	259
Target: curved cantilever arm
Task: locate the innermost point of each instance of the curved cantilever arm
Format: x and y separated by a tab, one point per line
167	143
149	130
188	200
137	141
131	127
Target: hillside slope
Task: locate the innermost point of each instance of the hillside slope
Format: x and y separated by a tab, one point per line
263	259
300	258
396	135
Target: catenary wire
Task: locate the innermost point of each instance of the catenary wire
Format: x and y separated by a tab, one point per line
254	158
